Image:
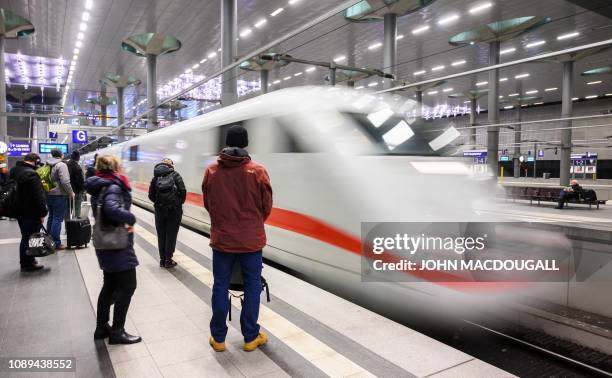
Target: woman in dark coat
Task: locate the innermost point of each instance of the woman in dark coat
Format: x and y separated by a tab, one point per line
119	267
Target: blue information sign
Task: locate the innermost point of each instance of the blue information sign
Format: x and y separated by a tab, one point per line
530	158
19	148
79	136
52	135
540	153
45	148
504	158
475	153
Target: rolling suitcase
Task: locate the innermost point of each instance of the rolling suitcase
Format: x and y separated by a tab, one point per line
78	231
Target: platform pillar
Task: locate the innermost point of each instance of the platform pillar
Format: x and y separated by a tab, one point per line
229	32
389	46
151	92
493	110
473	105
566	133
103	105
517	141
263	80
419	103
3	118
120	114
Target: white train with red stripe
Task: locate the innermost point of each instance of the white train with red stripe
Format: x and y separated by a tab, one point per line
336	158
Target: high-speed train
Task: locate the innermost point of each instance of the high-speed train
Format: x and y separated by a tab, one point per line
337	158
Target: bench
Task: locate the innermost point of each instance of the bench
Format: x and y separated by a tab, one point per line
545	194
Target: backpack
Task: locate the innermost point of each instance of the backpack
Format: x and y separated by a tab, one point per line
44	173
8	198
166	191
589	195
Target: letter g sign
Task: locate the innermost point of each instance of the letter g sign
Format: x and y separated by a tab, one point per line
79	136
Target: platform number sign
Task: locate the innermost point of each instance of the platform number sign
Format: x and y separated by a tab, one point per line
79	136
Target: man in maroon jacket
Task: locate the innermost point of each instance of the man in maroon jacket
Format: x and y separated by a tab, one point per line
238	197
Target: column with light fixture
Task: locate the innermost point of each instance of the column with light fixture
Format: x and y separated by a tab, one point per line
11	26
389	46
566	112
150	46
229	51
493	110
103	104
120	82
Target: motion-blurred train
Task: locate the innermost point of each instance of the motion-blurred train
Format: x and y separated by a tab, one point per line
336	158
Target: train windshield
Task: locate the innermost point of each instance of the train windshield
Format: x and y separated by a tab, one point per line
394	135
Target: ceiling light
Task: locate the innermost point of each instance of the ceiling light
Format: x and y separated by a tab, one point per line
373	84
508	107
417	73
260	23
447	89
80	35
513	95
480	7
246	32
575	98
339	58
76	51
311	69
507	51
297	74
448	19
219	49
359	87
85	16
594	82
481	83
568	35
532	91
88	4
276	12
432	92
78	43
534	44
590	97
291	2
503	79
374	46
458	63
276	81
521	76
399	37
550	89
203	61
608	94
538	103
195	66
212	55
437	68
420	29
501	96
82	26
287	78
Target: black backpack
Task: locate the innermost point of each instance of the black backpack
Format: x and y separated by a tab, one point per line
8	199
166	193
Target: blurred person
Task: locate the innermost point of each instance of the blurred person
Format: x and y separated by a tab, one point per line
574	191
58	197
238	197
3	180
118	266
167	192
91	169
31	206
77	181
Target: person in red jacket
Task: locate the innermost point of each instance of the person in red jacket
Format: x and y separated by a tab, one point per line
238	197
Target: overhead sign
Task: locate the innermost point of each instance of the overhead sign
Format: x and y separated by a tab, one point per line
589	155
79	136
504	158
45	148
475	153
530	158
17	148
540	153
52	135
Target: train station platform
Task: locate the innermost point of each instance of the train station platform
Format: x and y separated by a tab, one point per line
312	332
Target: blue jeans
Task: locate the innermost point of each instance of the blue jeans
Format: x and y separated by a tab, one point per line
28	226
251	264
57	208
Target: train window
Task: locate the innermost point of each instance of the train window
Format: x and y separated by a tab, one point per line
286	140
134	153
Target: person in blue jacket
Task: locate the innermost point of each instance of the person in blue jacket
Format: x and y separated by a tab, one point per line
119	267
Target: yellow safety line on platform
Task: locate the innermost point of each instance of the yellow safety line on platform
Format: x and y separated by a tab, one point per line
312	349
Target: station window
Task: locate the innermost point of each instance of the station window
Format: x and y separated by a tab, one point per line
134	153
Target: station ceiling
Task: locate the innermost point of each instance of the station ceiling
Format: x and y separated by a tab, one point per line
423	45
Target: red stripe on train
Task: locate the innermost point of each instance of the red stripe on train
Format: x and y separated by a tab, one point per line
311	227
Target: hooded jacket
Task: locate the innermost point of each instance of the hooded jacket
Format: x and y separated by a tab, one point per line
238	197
61	176
31	199
77	179
116	210
160	170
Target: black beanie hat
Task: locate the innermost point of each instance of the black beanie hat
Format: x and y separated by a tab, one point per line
237	136
75	155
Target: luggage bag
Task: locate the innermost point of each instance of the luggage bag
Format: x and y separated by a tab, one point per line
78	231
